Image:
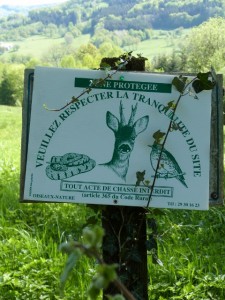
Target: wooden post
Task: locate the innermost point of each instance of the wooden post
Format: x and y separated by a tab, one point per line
125	232
26	113
216	186
125	245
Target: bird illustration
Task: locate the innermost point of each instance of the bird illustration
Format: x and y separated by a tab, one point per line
168	167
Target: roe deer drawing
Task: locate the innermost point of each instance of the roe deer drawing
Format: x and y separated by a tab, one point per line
125	135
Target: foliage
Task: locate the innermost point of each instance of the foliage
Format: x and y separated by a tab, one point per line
190	243
205	46
175	62
11	76
30	234
90	246
86	56
79	18
157	14
11	87
186	55
202	48
42	262
68	61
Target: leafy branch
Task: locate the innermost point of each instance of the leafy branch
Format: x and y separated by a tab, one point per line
106	274
120	65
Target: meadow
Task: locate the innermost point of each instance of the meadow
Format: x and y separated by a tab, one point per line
161	42
37	45
191	243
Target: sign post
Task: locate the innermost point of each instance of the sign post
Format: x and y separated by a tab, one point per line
91	150
125	234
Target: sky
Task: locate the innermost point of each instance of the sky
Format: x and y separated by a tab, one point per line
29	2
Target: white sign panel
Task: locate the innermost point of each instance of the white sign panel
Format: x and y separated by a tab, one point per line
90	151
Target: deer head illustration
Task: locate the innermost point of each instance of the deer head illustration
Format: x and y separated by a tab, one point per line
125	135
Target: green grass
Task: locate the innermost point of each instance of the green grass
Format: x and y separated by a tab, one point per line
10	128
191	249
30	263
161	42
37	46
151	48
191	243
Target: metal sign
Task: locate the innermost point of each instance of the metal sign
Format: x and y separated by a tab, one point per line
91	151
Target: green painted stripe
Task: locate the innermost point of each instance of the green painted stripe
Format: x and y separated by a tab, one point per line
152	87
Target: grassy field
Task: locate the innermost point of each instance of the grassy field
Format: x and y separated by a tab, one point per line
191	244
30	263
162	42
37	46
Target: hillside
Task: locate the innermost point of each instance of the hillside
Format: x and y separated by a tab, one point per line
82	17
149	27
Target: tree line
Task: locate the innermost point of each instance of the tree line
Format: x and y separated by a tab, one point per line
120	15
88	16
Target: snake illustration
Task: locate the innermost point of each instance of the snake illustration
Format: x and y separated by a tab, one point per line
68	165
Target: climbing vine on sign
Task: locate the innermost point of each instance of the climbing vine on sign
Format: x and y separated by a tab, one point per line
185	86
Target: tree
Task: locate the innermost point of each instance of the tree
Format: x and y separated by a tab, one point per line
68	61
110	50
160	62
55	54
33	62
205	46
11	87
51	30
89	56
68	38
